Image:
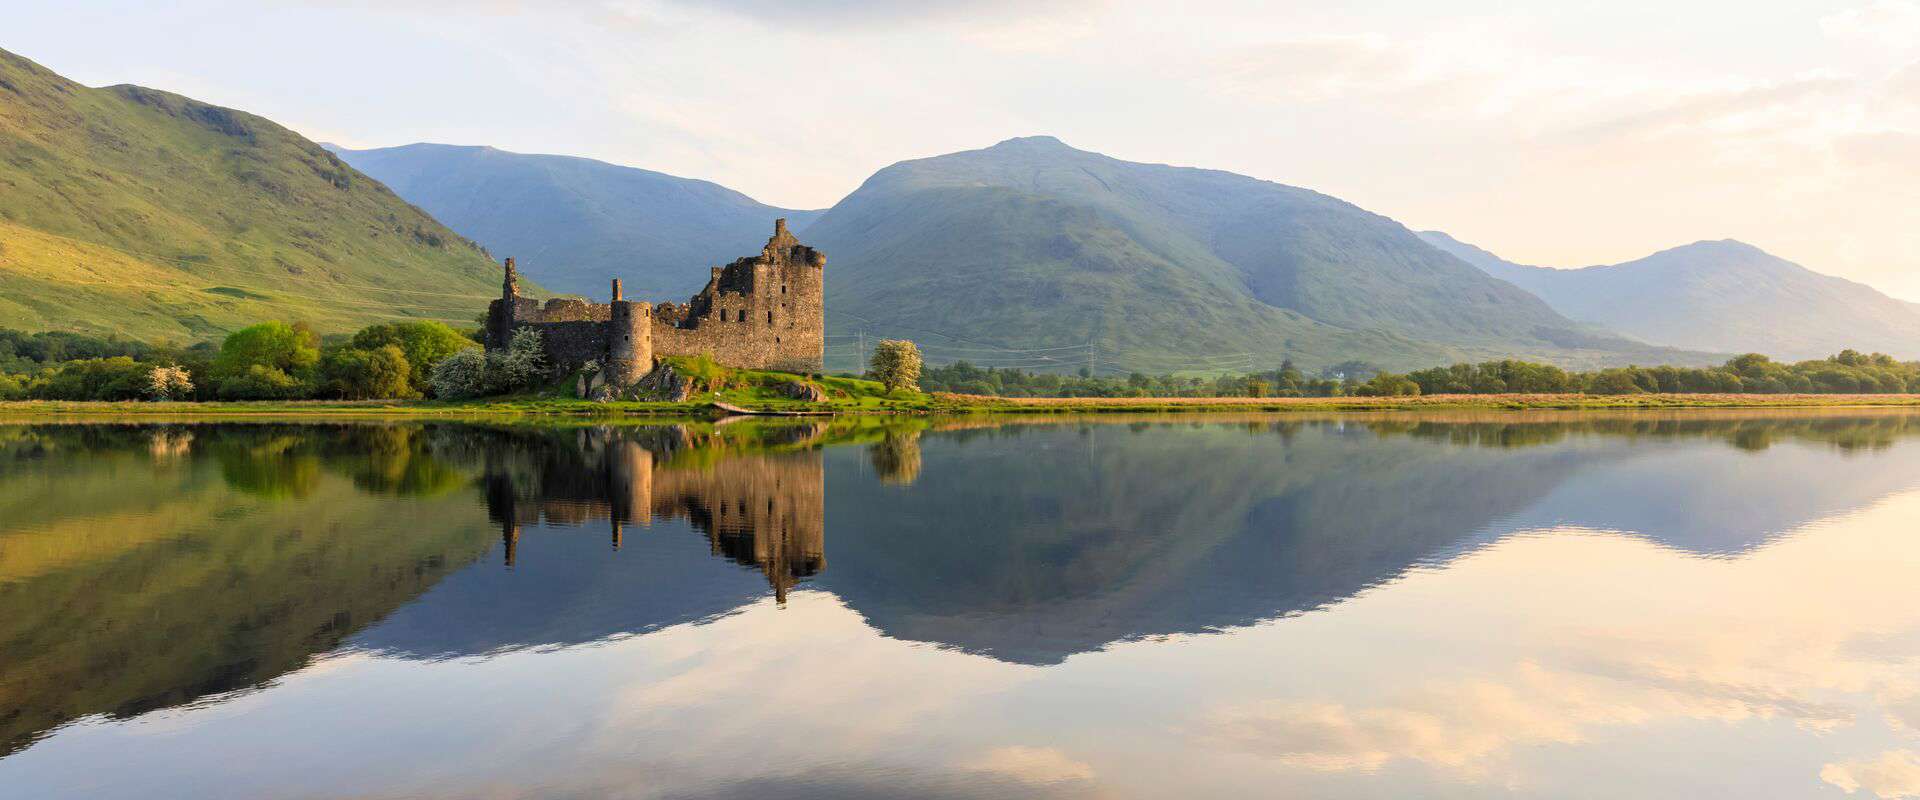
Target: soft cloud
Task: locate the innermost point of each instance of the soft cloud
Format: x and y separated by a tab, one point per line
1031	765
1891	23
1894	774
1471	728
842	13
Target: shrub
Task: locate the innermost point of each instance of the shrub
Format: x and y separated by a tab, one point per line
522	365
261	382
459	376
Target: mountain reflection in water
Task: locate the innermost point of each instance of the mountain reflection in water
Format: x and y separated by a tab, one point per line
151	566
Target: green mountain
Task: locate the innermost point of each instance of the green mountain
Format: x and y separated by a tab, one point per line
1724	296
1032	244
572	223
131	210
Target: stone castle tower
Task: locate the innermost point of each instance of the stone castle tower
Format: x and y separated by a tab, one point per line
760	312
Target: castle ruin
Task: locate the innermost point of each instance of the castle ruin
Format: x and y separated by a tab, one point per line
760	312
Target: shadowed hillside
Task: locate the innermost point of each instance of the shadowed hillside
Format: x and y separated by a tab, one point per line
137	211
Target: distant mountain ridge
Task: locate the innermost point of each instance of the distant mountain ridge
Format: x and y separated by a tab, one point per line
1031	243
1725	296
139	212
572	223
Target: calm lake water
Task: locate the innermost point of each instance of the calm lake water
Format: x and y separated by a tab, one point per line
1449	605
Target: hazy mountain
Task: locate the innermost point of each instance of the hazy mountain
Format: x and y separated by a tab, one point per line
573	223
1725	296
136	211
1031	244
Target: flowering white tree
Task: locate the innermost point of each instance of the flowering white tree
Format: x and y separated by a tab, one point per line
169	383
896	363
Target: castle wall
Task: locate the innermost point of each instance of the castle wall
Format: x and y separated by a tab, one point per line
570	345
761	312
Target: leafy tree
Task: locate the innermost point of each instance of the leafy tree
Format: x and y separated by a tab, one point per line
355	373
423	343
1388	385
896	363
1614	381
261	382
271	360
116	378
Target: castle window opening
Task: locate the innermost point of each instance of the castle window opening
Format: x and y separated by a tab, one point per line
769	317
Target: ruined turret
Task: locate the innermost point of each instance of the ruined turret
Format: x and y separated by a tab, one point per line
629	341
502	313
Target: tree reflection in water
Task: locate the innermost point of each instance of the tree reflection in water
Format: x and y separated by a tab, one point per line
147	566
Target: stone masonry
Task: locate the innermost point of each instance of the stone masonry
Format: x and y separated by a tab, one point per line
761	312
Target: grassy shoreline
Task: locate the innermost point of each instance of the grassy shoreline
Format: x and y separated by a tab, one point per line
941	404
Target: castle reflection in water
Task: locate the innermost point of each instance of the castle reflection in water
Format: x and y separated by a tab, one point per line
764	510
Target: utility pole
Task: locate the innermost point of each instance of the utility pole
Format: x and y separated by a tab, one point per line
1093	347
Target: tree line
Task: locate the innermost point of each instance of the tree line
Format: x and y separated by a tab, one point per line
411	360
267	361
1848	372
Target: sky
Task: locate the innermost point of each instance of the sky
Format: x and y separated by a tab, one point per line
1560	134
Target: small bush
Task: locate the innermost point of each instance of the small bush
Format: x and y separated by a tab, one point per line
261	382
460	376
522	366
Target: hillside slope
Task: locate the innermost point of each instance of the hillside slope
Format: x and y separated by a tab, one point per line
1720	295
1032	244
572	223
134	211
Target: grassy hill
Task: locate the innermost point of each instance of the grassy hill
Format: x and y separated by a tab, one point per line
1032	244
572	223
1719	295
134	211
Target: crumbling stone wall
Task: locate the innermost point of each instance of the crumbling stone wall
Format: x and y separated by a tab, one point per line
761	312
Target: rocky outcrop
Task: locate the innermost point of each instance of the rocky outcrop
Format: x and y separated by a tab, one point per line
663	383
802	390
